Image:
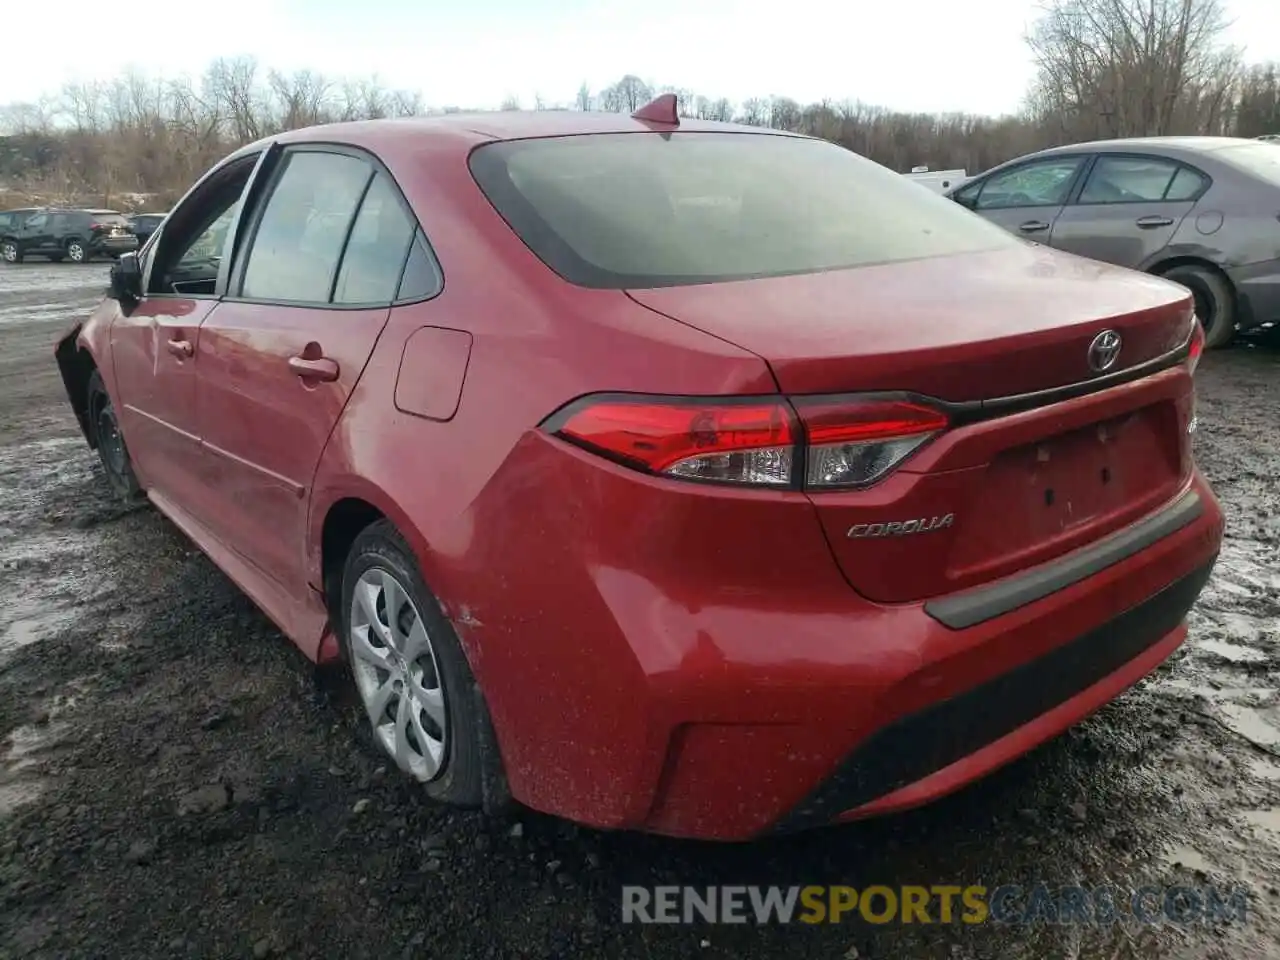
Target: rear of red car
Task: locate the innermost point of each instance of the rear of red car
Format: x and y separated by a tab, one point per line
986	443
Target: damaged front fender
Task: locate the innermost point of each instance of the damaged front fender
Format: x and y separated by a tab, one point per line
76	366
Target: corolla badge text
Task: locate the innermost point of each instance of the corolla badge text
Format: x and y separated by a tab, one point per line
899	528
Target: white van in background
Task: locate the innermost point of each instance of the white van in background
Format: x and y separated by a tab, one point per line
939	181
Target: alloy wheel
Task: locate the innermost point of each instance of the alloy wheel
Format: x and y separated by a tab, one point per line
75	252
397	675
10	252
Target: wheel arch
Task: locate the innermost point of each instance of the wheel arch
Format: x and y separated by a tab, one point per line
1162	267
335	528
341	508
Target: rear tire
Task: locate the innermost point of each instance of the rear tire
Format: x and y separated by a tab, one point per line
112	452
77	251
10	252
1215	302
411	675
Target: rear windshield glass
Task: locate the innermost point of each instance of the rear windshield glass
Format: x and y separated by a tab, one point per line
109	218
1261	159
649	210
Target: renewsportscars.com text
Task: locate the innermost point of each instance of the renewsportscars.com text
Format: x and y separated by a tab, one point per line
939	903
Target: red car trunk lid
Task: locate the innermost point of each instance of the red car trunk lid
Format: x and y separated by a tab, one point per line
993	497
958	328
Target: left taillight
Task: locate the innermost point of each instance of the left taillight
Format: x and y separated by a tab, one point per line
811	443
728	442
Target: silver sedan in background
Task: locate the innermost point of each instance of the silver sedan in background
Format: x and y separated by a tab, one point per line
1202	211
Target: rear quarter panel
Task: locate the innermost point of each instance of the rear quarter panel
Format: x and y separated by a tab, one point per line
537	342
1236	223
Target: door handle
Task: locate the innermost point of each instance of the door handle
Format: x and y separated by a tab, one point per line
322	369
181	348
1033	226
1146	223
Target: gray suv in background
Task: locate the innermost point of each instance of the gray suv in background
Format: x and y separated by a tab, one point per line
1202	211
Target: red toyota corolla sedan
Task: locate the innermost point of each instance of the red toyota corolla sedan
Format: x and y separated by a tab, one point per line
665	475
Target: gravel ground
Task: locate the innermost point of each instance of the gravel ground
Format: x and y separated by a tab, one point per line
176	781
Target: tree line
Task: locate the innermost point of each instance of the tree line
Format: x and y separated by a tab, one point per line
1104	68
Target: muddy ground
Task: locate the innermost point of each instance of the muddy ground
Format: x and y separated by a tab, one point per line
176	783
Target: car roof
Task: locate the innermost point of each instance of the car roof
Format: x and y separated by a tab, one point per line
1158	144
466	130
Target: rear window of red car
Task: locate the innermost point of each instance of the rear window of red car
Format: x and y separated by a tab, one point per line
650	209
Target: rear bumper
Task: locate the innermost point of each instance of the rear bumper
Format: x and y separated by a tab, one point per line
1258	293
114	246
703	670
952	742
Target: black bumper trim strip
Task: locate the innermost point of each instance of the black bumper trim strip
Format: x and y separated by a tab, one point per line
919	744
967	609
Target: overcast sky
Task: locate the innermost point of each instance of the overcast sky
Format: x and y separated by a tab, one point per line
924	55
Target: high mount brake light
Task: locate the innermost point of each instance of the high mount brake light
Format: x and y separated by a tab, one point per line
842	442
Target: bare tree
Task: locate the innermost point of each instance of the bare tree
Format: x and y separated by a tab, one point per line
627	95
1258	110
1114	68
1107	67
755	112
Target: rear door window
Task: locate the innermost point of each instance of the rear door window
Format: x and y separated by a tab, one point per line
1137	180
299	239
377	248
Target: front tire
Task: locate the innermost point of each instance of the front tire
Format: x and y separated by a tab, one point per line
112	452
10	252
1215	302
421	705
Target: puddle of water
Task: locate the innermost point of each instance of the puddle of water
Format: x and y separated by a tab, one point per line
1266	819
16	794
19	781
1190	858
20	633
1217	693
1264	769
1250	723
30	620
1231	651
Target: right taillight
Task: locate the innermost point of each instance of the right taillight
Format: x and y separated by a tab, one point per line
812	443
1197	344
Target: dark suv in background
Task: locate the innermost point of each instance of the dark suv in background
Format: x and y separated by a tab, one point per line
64	234
144	225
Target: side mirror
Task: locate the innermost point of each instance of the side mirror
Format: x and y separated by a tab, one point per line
126	279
